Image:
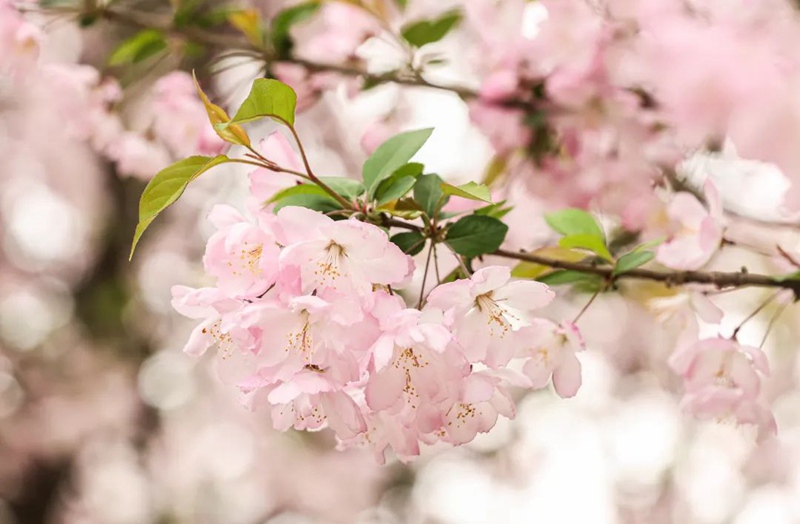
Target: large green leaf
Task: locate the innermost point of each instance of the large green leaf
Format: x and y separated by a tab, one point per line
476	235
267	98
425	32
167	186
391	155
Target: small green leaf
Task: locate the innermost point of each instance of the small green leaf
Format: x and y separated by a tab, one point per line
217	116
396	188
349	188
400	183
589	242
425	32
390	156
283	22
567	276
410	242
573	222
267	98
322	203
476	235
428	194
498	210
632	260
167	186
142	45
470	190
299	189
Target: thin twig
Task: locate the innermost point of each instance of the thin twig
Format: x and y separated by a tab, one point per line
754	313
772	321
425	277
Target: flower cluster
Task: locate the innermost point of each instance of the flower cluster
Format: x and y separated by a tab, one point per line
307	322
722	379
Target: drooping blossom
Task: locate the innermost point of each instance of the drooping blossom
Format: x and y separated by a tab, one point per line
550	353
722	379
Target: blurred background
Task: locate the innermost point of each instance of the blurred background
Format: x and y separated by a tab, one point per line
104	420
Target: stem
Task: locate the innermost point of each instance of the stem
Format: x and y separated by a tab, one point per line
436	263
339	198
425	277
585	307
754	313
772	321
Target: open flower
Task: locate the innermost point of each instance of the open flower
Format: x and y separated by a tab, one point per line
488	312
345	256
698	232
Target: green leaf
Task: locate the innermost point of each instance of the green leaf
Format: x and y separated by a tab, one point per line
322	203
391	155
567	276
573	222
632	260
428	194
167	186
407	208
349	188
400	183
425	32
470	190
397	188
142	45
283	22
299	189
267	98
410	242
589	242
476	235
498	210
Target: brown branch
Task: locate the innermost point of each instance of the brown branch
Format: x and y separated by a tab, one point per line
718	279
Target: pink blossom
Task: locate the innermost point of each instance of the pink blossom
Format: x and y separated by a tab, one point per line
336	32
484	397
242	256
722	378
488	313
551	352
345	256
699	230
179	118
503	126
